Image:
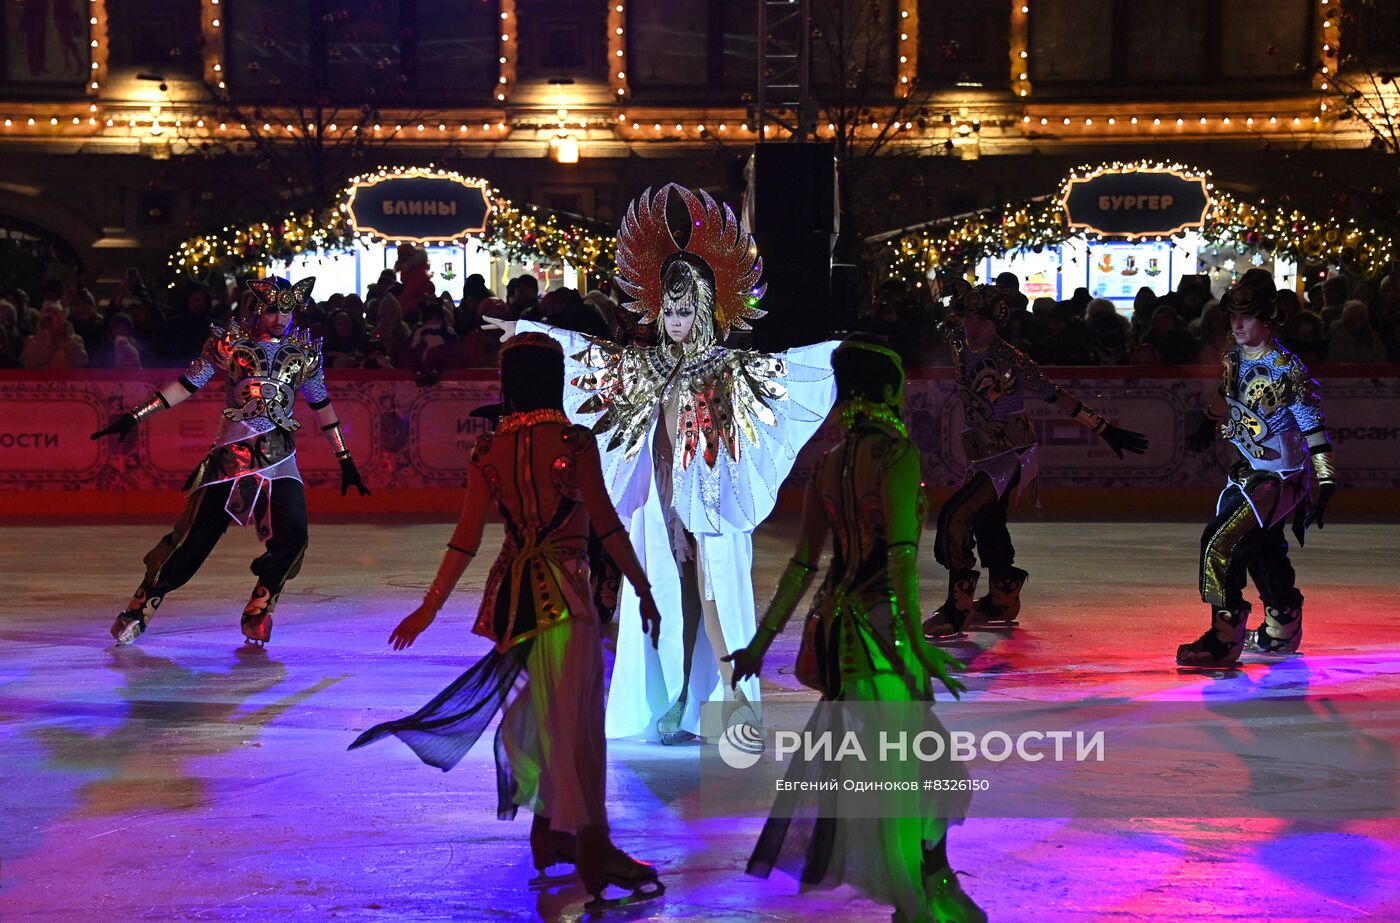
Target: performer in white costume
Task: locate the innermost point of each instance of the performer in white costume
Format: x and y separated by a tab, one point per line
690	491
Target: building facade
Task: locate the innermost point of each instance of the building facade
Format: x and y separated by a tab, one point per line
126	126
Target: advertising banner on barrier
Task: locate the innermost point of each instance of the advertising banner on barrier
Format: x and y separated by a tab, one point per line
404	436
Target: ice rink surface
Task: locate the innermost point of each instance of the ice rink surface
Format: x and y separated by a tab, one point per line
190	777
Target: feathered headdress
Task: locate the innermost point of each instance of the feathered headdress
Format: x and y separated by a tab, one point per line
717	238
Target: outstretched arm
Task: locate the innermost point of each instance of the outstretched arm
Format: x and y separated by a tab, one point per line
589	471
461	548
166	396
792	585
1119	440
903	482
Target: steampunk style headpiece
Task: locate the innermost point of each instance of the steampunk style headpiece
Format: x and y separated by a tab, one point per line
1254	295
720	254
285	296
987	301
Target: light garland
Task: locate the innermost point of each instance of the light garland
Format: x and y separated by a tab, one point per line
1036	225
522	233
1020	48
211	22
908	47
1329	38
99	43
617	49
510	50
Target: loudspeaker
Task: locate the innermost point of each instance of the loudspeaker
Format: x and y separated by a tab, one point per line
794	217
794	188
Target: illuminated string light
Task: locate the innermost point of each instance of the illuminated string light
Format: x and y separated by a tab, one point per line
1275	230
617	50
522	233
908	50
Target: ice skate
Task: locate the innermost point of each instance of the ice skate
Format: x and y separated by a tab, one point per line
128	627
550	847
948	901
949	620
602	864
1280	633
131	624
256	623
668	726
1002	604
1220	646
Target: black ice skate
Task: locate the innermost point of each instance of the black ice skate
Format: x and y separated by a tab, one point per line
1002	604
949	620
1281	632
550	847
948	902
131	624
1221	645
128	627
602	864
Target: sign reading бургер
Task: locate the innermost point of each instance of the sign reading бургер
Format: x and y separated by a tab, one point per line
1136	201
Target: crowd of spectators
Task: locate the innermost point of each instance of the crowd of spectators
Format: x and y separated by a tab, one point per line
1340	322
402	323
389	328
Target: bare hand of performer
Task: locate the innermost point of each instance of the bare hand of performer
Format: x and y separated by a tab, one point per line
651	619
938	663
119	427
507	327
746	663
412	626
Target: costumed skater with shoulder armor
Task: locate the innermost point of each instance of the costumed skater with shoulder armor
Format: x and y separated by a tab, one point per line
1269	407
994	379
250	475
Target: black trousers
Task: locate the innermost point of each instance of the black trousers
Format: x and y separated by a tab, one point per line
1235	549
178	556
973	522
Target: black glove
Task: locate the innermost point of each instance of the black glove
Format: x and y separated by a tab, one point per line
350	477
1315	511
1204	436
1324	496
120	427
1124	440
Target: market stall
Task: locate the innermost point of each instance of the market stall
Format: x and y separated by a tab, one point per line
1116	228
464	224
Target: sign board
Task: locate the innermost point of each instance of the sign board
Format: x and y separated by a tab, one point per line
1136	202
419	207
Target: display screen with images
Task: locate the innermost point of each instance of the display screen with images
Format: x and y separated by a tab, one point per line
1118	270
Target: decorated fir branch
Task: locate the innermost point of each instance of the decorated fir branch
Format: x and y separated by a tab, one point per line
1038	224
523	233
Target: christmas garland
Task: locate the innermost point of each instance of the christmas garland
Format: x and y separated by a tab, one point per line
959	245
524	233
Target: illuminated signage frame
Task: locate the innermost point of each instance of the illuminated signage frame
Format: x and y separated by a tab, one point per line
1181	173
367	227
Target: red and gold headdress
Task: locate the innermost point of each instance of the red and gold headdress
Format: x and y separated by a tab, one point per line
717	238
